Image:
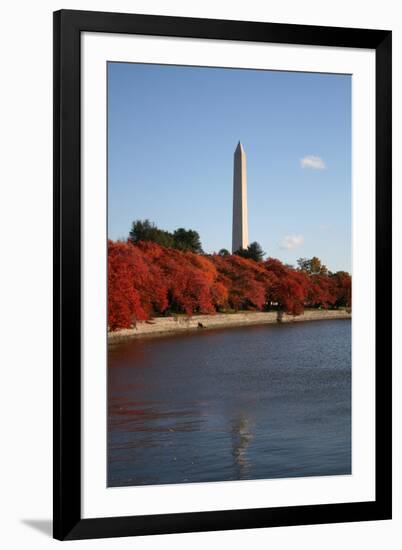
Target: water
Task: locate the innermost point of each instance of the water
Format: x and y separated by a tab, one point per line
247	403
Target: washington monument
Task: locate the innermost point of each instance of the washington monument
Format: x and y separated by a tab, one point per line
240	217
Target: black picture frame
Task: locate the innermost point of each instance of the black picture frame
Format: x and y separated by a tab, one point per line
68	522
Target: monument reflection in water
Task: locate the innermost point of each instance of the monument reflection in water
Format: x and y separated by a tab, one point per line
247	403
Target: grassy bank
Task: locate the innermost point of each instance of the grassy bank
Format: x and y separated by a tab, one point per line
178	324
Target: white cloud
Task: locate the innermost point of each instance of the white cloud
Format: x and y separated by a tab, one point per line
290	242
313	162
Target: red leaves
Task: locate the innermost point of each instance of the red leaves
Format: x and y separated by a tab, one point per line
189	278
147	279
136	287
288	287
342	288
124	301
321	291
244	280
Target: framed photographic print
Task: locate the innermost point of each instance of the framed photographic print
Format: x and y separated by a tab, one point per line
222	209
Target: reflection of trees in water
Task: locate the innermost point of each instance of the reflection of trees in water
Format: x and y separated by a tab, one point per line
241	437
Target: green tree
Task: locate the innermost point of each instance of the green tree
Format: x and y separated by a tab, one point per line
252	252
223	252
187	239
312	266
145	230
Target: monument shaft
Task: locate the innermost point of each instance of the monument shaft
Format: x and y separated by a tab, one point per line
240	216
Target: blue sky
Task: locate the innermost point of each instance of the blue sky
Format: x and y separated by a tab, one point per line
172	132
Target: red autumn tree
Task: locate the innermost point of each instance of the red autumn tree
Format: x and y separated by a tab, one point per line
289	287
136	287
342	283
146	279
124	301
321	292
188	278
244	280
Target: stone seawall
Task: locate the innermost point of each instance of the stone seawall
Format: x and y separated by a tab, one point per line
166	325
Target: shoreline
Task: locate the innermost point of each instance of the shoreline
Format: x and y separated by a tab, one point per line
182	324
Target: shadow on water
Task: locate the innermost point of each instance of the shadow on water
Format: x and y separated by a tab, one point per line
241	438
245	403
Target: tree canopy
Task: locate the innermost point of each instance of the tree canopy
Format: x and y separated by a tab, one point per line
145	230
312	266
254	252
146	279
187	239
182	239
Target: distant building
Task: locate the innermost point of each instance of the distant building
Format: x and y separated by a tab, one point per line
240	214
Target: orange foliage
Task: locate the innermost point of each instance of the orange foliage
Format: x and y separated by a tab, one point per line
146	279
244	280
289	287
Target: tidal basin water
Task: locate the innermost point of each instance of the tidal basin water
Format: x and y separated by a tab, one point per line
256	402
